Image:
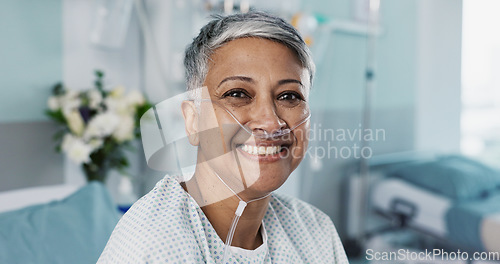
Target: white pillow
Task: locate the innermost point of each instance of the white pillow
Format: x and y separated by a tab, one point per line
17	199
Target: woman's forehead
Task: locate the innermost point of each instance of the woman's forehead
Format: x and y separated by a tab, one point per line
254	58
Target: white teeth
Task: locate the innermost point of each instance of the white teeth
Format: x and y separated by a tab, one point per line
271	150
262	150
254	150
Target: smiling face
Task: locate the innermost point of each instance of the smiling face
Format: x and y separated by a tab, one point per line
264	86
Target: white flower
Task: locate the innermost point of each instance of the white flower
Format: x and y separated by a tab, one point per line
76	149
53	103
102	125
71	94
117	92
125	130
79	152
67	142
75	122
70	101
95	143
95	98
135	98
119	106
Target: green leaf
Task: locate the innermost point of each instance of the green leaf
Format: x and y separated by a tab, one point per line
99	82
99	73
127	146
124	162
123	171
85	99
58	89
57	116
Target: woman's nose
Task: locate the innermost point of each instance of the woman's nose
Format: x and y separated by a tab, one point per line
264	117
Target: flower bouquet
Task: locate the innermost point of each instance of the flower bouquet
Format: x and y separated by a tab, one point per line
97	126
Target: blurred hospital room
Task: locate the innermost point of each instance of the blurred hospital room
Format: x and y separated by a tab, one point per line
404	146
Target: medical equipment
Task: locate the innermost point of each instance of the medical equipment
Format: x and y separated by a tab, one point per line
450	198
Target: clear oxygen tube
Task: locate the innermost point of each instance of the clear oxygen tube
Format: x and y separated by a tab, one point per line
237	214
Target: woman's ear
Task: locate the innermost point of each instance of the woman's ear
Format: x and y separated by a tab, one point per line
190	115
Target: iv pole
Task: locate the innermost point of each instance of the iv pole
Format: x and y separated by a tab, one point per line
364	170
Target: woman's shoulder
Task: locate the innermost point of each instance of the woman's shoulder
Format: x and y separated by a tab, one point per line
158	218
306	227
300	208
294	213
156	199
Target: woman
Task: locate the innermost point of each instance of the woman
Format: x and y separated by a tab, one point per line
249	76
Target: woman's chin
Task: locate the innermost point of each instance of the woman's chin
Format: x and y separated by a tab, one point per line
266	184
265	173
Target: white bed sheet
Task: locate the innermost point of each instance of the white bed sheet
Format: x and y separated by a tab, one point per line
17	199
431	208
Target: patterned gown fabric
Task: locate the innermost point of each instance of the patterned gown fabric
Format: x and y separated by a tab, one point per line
168	226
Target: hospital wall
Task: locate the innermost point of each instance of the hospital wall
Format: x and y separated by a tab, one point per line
416	99
30	63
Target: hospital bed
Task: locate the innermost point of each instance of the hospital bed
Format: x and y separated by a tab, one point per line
451	198
55	224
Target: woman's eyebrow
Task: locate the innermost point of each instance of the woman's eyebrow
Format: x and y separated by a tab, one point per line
286	81
238	78
250	80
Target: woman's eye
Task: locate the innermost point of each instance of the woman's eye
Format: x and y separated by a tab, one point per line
289	97
236	94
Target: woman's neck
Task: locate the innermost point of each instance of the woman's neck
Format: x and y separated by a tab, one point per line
219	205
247	234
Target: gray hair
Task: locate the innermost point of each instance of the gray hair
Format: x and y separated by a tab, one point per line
223	29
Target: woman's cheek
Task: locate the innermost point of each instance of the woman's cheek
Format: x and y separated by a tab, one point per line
302	138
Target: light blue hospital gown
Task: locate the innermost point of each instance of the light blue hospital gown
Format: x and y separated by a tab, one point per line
168	226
